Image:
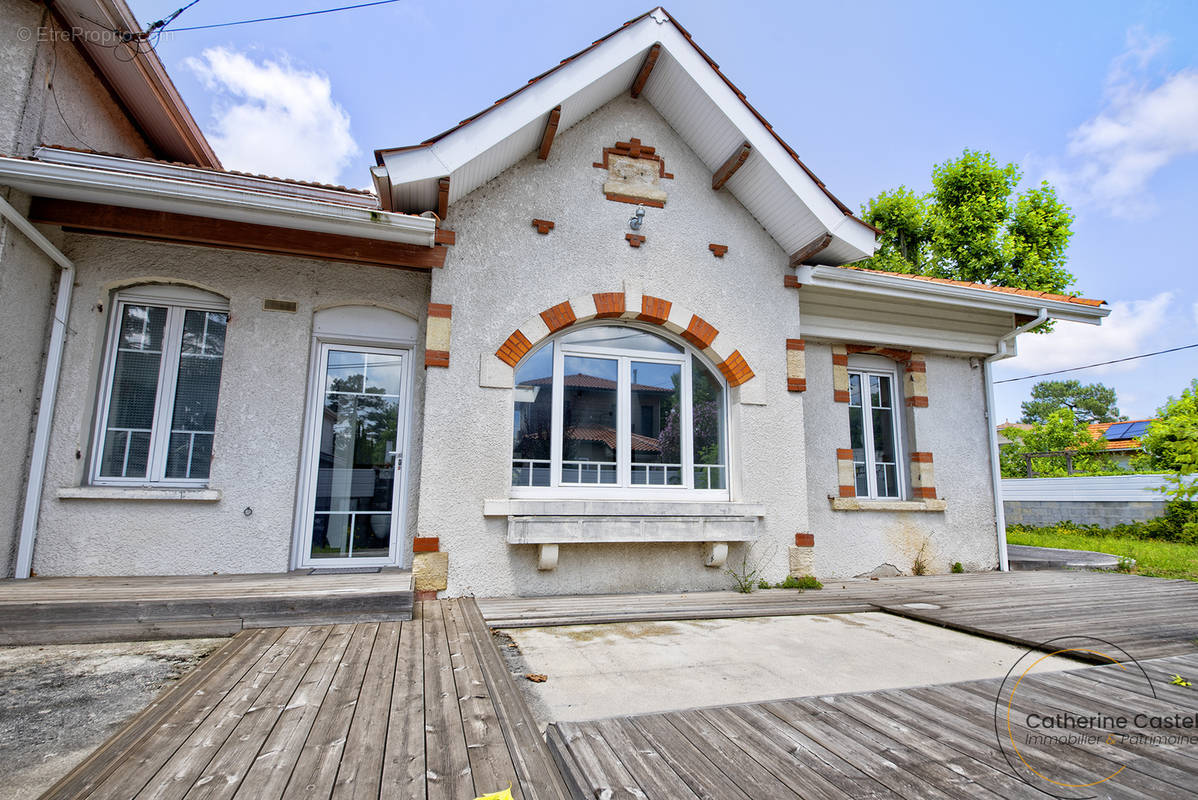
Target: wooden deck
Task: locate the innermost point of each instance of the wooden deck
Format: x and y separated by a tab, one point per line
1147	617
416	709
49	610
930	742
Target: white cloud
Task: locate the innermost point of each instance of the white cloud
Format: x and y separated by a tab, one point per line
275	118
1143	128
1126	332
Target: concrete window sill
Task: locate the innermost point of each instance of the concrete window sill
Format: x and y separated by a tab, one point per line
865	504
618	508
138	493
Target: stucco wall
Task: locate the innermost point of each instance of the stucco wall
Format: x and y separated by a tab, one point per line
260	416
27	285
953	429
502	271
34	57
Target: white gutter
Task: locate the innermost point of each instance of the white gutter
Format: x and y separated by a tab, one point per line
45	411
219	201
892	286
1000	516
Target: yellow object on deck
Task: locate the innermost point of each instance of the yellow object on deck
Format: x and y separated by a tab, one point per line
506	794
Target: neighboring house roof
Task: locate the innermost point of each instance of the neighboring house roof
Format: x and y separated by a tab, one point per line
140	84
1059	298
709	113
580	381
1099	431
598	433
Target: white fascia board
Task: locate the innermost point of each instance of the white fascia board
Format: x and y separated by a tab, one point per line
154	193
449	154
927	291
912	337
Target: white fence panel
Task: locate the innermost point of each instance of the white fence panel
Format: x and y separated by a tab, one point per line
1109	488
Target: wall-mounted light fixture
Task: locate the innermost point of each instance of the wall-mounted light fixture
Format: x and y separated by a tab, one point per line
638	219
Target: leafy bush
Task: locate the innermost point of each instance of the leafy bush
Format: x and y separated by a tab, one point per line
1060	431
1178	524
803	582
1171	443
958	567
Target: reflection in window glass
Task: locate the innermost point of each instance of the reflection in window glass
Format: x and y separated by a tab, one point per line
656	425
708	426
589	414
872	434
134	392
193	424
532	427
621	338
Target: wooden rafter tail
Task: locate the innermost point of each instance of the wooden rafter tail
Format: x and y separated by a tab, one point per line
810	250
729	167
443	198
642	77
550	131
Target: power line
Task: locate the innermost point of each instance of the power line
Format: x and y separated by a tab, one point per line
1099	364
282	16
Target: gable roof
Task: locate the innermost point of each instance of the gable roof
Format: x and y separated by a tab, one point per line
1033	293
1098	431
141	84
707	110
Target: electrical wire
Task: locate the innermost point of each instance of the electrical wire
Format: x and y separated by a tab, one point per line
282	16
1099	364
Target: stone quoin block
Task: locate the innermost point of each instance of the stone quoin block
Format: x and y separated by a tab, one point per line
430	572
796	366
437	335
840	373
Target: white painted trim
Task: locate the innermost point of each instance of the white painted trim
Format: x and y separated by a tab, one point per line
1099	488
156	193
895	285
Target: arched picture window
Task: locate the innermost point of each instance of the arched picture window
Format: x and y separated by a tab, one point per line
619	410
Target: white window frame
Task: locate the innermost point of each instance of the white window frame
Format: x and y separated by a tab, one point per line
624	488
878	366
177	300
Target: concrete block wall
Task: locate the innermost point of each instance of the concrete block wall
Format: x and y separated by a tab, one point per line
1083	512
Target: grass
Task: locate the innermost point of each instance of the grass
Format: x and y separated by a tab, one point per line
1153	558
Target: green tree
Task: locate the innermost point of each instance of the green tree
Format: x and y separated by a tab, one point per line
972	226
1060	431
1171	443
1093	402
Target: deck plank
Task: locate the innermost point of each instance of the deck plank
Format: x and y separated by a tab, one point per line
447	761
359	776
404	754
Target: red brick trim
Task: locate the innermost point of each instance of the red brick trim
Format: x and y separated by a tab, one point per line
440	310
795	344
514	349
654	309
848	491
840	360
924	492
426	544
636	201
804	540
543	226
844	454
421	595
840	396
608	304
922	458
791	282
917	402
916	366
699	332
718	250
796	384
436	358
559	316
735	369
634	239
634	149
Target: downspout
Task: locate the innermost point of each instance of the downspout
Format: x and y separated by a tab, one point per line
45	411
1004	351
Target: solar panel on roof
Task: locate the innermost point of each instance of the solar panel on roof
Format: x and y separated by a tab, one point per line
1136	430
1117	431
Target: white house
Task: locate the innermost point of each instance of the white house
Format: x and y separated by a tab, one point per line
602	336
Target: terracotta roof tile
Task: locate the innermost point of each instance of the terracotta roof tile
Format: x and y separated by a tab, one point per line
1098	431
1063	298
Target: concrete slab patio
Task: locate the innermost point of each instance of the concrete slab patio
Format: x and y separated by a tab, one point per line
640	667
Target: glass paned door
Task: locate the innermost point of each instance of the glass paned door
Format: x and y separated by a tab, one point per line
354	500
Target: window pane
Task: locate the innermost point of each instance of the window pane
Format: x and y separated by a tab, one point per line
134	392
589	420
330	535
882	413
347	371
857	435
356	472
655	423
383	374
372	536
707	412
201	357
533	419
620	337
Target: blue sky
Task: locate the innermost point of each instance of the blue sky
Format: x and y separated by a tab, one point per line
1099	97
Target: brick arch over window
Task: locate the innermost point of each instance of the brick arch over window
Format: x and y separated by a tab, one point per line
612	305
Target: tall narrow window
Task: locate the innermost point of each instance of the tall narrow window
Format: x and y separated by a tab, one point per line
158	412
620	410
873	431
